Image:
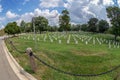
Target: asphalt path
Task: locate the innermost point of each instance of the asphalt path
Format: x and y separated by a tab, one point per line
6	72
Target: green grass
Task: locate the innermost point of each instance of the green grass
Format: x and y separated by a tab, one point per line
75	58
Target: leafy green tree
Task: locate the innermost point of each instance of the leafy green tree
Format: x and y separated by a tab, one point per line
84	27
22	26
53	28
92	24
113	14
103	26
78	27
12	28
28	27
64	21
110	30
41	23
75	27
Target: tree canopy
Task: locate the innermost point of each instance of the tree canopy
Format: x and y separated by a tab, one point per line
22	26
92	24
103	26
40	22
113	14
64	21
12	28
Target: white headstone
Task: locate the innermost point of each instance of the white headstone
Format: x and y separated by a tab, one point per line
86	42
45	38
51	40
60	42
38	39
68	41
114	45
33	39
118	45
76	42
94	41
28	38
82	40
109	44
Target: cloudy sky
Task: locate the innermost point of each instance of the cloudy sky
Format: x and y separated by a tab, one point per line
80	10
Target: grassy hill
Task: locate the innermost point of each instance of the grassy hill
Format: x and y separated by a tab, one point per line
79	53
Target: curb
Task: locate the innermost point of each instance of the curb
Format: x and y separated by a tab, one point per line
19	71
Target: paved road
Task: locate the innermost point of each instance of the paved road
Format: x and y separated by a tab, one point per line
6	72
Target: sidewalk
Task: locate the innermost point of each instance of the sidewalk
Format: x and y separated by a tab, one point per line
9	68
6	72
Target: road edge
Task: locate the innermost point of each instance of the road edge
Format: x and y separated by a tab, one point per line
19	71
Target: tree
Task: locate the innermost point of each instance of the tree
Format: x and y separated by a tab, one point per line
78	27
75	27
92	24
40	22
103	25
64	21
52	28
28	27
22	26
113	14
84	27
12	28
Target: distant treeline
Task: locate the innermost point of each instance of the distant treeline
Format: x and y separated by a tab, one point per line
2	32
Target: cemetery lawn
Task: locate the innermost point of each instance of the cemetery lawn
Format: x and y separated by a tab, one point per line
78	58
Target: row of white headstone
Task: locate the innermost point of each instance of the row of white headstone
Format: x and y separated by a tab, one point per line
76	37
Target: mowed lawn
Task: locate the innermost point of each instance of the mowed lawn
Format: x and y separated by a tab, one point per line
78	58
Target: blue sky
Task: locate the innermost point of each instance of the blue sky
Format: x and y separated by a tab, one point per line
19	6
80	10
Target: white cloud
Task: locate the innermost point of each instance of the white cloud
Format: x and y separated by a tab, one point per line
82	10
46	13
1	8
52	16
95	2
2	19
19	9
11	15
108	2
86	10
119	2
51	3
25	1
1	26
26	17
